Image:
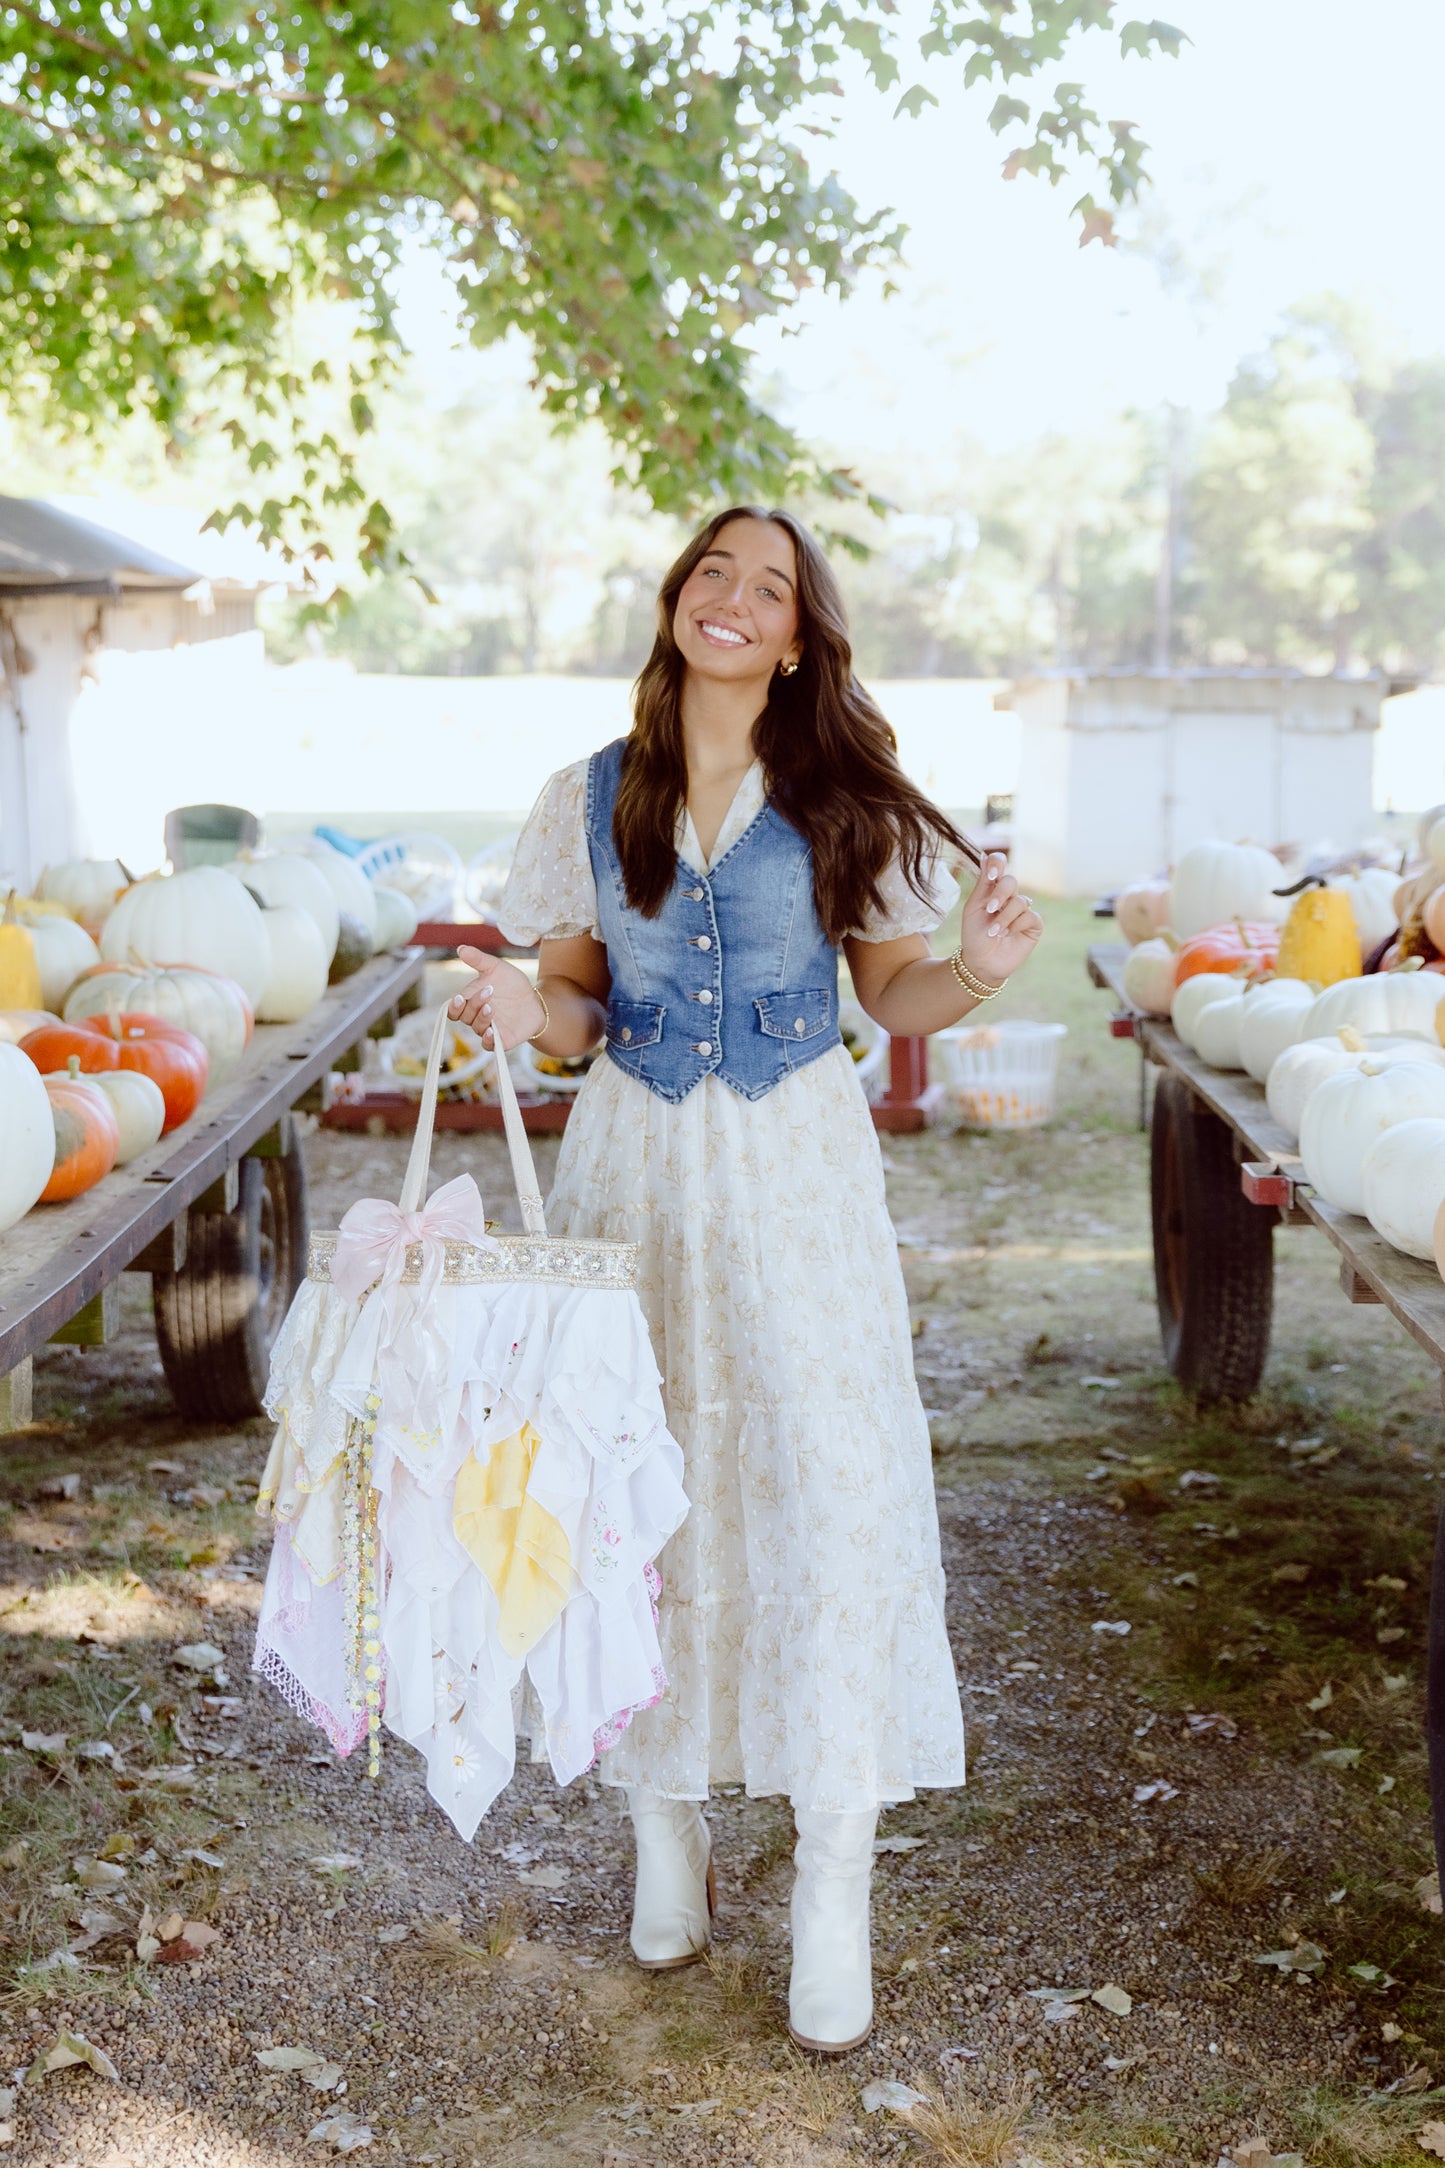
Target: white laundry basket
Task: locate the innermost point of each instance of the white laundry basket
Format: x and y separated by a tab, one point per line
1001	1076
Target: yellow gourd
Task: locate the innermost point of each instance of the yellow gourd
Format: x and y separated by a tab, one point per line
19	970
1320	940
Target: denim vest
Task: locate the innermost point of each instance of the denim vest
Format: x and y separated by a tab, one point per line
734	977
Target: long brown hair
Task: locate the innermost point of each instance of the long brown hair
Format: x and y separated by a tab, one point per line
829	755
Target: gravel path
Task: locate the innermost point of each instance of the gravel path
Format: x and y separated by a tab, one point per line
479	2002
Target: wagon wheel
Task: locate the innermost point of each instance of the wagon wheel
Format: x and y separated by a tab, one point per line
1213	1251
218	1317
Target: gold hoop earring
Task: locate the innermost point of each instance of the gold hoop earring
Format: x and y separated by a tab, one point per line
788	669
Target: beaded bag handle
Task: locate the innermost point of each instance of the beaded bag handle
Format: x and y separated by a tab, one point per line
418	1166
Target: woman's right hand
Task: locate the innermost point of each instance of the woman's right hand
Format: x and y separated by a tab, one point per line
499	998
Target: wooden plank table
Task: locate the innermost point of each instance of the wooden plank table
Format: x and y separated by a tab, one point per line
60	1258
1370	1269
909	1103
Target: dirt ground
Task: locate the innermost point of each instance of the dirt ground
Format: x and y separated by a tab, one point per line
1180	1905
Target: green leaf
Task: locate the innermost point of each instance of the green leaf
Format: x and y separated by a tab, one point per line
1006	110
913	101
1139	37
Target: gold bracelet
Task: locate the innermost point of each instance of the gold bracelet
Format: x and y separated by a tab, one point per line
971	983
546	1023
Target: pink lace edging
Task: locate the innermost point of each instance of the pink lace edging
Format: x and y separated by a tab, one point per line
346	1731
607	1735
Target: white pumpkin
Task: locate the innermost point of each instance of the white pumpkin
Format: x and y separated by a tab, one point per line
1401	1003
27	1154
1372	899
348	884
1217	1032
299	964
396	918
1141	910
201	917
139	1107
1404	1184
1309	1061
1215	882
63	949
87	888
202	1002
1149	977
1346	1113
1273	1017
1435	843
291	878
1194	996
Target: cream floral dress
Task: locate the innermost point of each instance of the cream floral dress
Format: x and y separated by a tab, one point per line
802	1623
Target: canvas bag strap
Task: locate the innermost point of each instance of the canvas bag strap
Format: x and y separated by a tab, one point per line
418	1166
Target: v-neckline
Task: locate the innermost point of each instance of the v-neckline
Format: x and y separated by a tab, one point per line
730	827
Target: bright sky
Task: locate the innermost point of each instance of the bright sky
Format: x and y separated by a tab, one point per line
1295	148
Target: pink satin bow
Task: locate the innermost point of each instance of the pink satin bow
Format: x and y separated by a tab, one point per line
375	1237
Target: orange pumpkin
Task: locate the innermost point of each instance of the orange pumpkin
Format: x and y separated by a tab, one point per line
54	1046
87	1135
172	1058
1243	945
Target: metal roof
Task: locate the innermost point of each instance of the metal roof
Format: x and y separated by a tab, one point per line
47	552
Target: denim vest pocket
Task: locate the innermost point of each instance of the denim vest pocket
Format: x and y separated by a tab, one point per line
799	1016
632	1025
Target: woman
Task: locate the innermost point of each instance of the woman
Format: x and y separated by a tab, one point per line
690	886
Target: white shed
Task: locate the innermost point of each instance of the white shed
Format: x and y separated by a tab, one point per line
70	590
1121	770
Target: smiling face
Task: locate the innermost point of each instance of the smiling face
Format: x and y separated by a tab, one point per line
737	612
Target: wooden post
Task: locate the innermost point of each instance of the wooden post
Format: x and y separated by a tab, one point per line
17	1397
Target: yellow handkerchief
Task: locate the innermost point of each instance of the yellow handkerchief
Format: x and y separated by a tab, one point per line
519	1546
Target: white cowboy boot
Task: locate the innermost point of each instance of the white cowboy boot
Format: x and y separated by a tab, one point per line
675	1896
830	1996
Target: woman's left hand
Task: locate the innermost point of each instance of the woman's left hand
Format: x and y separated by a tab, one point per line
1000	928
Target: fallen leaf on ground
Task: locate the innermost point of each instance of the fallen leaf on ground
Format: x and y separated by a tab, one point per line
1386	1634
97	1926
888	2093
1295	1571
146	1947
898	1844
170	1925
1185	1580
1101	1384
1372	1975
545	1877
334	1862
68	2048
180	1777
1430	2138
1197	1722
95	1750
289	2058
1059	2013
205	1494
14	1854
198	1656
165	1467
1119	1626
98	1873
1323	1698
1342	1757
1391	2033
1058	1994
343	2130
193	1940
1199	1479
203	1858
60	1486
1116	2000
44	1742
1160	1789
1121	2062
397	1933
119	1845
1338	1896
325	2079
1304	1957
1395	1682
1427	1891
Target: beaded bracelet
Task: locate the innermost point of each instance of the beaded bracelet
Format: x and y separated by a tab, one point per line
971	984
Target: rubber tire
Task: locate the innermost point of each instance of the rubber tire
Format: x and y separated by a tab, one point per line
218	1317
1213	1251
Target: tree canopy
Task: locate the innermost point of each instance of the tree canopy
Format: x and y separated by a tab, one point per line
623	183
